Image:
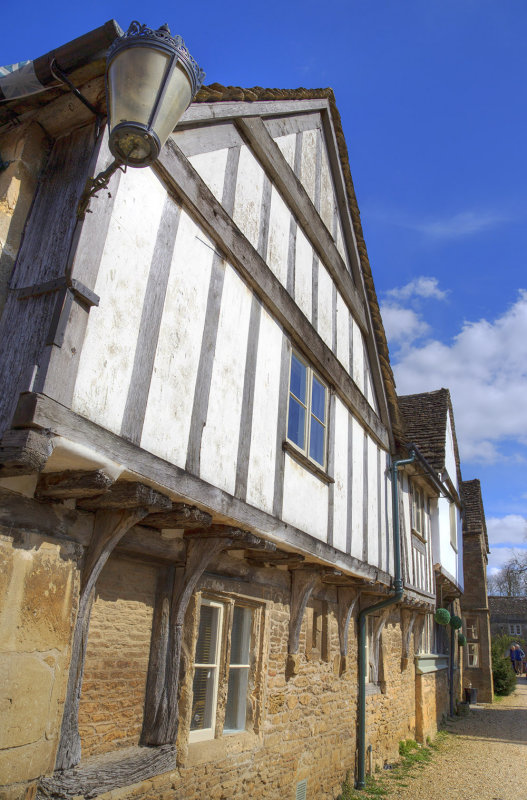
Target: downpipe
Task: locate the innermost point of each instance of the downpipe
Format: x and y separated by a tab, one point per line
389	601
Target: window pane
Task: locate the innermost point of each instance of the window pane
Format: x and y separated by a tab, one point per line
208	635
236	708
298	378
316	441
318	399
202	700
241	635
296	423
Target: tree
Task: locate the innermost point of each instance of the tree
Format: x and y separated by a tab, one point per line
511	579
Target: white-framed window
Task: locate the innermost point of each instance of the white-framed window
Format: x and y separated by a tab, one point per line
222	669
307	411
473	654
420	507
472	629
453	525
515	629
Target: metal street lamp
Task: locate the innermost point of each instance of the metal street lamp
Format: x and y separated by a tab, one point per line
151	79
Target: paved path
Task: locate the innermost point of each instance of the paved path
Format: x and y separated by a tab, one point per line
485	758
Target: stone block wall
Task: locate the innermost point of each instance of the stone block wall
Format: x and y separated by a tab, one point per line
113	689
431	703
38	590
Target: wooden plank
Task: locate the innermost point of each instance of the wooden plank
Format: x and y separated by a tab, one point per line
246	421
207	112
284	126
281	428
207	139
72	483
23	452
180	177
125	494
181	515
150	325
296	197
42	413
48	519
25	323
200	405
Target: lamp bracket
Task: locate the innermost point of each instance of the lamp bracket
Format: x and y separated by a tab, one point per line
63	78
94	185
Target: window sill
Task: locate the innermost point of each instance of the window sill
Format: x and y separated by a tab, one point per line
430	662
419	536
304	461
375	688
221	748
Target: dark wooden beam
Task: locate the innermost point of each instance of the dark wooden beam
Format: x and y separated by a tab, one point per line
180	515
23	452
260	558
72	483
347	599
181	179
303	582
127	495
42	413
271	158
239	539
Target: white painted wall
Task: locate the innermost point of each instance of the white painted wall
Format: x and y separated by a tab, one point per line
248	198
305	502
325	305
340	489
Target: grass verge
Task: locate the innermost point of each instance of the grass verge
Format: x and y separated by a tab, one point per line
413	756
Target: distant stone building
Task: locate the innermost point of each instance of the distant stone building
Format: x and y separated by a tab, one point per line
474	603
508	615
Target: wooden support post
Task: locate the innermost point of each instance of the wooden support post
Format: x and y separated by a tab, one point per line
72	484
408	618
303	582
23	452
347	598
378	626
175	589
110	526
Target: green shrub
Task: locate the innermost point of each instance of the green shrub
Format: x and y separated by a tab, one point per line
502	671
461	639
456	622
442	616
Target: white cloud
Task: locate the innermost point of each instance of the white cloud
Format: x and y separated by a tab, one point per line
499	556
402	325
485	368
509	530
465	223
419	287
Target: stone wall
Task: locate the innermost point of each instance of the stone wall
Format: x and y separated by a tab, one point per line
38	587
113	688
431	703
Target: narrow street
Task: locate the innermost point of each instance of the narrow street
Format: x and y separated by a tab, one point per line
485	758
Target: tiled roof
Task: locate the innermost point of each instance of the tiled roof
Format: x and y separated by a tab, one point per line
474	515
508	605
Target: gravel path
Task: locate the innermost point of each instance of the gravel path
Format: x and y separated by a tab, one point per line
485	758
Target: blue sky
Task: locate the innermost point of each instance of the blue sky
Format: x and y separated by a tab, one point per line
432	99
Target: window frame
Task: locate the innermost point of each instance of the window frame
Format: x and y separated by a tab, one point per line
419	508
453	526
198	735
473	655
517	628
310	375
228	602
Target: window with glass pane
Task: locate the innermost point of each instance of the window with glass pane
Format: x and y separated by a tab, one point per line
471	625
206	666
418	510
453	525
473	655
306	420
236	707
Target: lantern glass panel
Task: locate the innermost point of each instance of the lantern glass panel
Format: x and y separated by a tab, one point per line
173	104
134	78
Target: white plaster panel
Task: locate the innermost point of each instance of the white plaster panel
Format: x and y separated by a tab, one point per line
341	247
170	400
357	533
358	357
211	167
327	193
287	146
278	244
389	515
107	357
373	508
383	563
325	305
262	456
309	162
303	274
405	521
340	495
305	502
219	445
343	343
248	198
